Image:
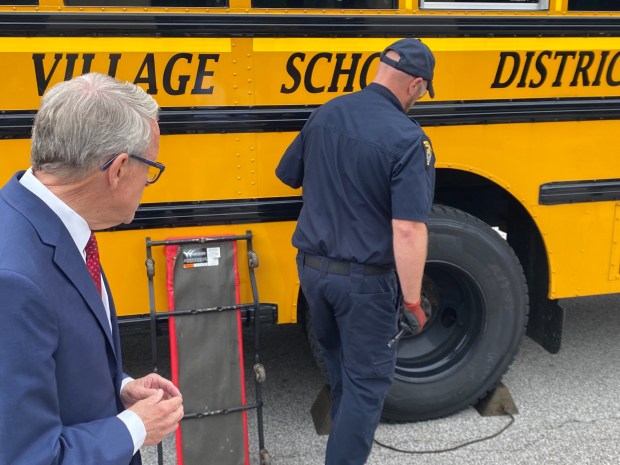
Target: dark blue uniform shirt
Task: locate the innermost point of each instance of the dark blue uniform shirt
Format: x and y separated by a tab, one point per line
362	162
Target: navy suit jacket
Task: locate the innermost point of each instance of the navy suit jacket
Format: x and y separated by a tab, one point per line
60	365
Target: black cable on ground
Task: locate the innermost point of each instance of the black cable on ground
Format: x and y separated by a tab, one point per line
450	449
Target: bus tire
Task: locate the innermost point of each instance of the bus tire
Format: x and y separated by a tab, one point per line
478	291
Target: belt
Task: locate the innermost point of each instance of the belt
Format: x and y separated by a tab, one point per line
342	268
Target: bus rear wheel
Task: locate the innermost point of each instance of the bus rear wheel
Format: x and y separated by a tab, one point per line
477	288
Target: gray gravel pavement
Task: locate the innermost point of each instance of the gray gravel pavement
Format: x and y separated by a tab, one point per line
569	409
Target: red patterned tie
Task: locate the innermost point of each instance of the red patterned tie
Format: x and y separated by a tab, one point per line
92	261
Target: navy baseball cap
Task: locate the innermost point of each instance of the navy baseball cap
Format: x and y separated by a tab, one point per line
416	59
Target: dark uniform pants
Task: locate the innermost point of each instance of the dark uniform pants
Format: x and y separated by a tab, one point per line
354	317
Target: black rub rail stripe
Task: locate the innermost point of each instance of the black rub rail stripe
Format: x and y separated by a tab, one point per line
210	213
216	120
266	210
290	25
601	190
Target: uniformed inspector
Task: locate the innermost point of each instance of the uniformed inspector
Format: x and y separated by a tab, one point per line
368	177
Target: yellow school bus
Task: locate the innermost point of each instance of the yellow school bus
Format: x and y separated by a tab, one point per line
525	126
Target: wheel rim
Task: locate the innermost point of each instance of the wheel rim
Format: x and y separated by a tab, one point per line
459	315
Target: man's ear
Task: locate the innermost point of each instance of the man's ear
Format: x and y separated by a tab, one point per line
414	85
117	170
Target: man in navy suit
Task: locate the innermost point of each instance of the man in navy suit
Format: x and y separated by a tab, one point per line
64	398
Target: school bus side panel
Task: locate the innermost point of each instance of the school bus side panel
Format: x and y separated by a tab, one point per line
236	163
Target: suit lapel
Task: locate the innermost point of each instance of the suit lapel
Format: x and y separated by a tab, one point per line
113	318
69	260
118	367
67	257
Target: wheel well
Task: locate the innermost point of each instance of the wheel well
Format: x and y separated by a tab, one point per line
495	206
477	196
498	208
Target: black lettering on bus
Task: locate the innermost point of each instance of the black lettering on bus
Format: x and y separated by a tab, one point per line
203	59
87	58
564	56
610	71
293	72
113	57
309	70
526	68
583	69
516	63
366	67
151	78
339	71
601	68
183	78
71	57
43	80
541	68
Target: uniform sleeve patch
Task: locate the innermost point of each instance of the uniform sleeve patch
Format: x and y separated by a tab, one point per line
428	151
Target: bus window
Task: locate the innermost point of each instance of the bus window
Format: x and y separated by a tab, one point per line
19	2
594	5
485	4
168	3
335	4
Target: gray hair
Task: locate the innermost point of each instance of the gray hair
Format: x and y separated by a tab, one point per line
83	122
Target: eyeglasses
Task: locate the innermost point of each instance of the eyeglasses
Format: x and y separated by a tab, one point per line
155	168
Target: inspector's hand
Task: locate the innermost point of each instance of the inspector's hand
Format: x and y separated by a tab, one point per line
142	388
160	416
416	315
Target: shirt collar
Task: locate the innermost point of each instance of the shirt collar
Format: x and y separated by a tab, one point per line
385	92
75	224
